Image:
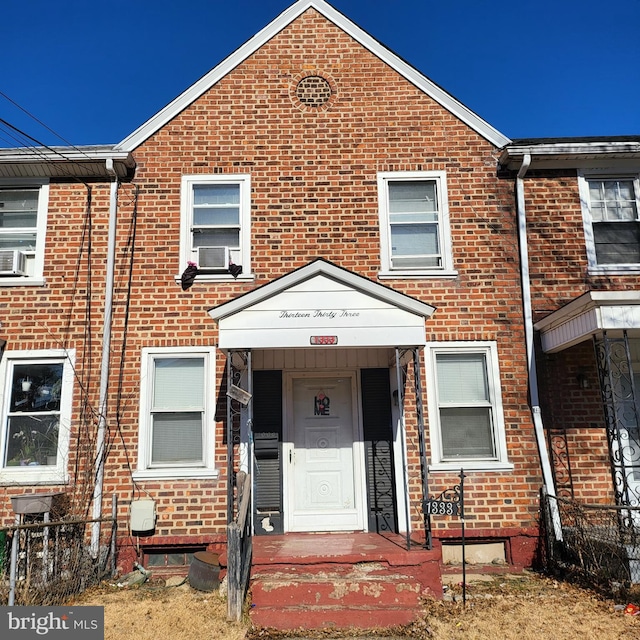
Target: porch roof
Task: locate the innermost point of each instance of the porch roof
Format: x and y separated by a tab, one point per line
587	315
321	305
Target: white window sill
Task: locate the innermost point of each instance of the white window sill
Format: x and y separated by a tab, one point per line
422	273
22	282
220	277
471	465
28	476
614	270
176	474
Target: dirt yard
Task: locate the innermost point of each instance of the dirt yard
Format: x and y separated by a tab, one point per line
524	607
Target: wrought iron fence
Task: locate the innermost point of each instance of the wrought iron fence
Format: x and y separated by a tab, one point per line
601	542
45	563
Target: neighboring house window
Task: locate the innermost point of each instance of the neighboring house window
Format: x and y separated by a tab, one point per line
465	406
216	224
177	422
611	207
414	223
36	414
23	212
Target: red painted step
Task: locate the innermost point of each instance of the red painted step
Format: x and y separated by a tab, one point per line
340	581
311	617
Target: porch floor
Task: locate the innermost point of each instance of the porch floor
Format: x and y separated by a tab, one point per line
342	547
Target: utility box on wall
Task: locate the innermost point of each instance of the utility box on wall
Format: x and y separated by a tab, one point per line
143	515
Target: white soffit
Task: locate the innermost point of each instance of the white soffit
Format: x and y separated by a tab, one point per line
321	302
587	315
341	21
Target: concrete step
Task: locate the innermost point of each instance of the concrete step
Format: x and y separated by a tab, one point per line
366	595
336	617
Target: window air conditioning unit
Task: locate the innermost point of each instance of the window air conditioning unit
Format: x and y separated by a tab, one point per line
213	258
13	263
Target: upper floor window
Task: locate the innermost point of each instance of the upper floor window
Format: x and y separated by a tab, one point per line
177	413
611	207
414	223
23	210
216	224
36	415
465	406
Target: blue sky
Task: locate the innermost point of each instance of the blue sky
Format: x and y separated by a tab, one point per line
94	71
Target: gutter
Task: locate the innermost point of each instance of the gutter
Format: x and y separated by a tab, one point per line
534	396
106	353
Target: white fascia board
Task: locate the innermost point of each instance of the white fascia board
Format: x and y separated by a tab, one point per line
568	151
321	267
272	29
592	300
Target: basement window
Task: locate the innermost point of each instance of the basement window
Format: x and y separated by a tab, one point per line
170	558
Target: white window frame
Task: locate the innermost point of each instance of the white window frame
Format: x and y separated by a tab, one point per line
490	351
38	475
187	253
35	275
440	178
584	177
144	470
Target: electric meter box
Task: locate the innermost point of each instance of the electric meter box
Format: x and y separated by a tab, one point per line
143	515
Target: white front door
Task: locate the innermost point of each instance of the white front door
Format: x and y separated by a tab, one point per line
324	483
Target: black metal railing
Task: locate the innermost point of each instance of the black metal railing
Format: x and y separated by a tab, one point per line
600	542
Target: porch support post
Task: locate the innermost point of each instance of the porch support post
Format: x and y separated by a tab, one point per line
424	468
230	443
239	375
615	369
403	442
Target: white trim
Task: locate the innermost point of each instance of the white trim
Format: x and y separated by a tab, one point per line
321	267
584	176
444	228
205	470
490	351
587	315
166	114
288	476
242	257
36	275
39	475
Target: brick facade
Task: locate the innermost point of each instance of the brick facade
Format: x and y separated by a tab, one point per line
314	194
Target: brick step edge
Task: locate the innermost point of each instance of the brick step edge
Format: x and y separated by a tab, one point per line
335	617
346	592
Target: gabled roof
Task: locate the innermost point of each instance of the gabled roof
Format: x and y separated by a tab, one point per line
342	22
322	305
322	267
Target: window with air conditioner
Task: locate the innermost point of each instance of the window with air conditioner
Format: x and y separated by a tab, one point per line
216	225
23	212
35	411
177	424
611	216
465	407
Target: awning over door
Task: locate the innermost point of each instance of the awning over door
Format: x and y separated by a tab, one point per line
321	304
588	315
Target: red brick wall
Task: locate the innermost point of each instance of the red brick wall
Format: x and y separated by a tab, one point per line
314	193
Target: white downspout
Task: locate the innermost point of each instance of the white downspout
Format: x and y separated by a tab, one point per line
545	463
106	356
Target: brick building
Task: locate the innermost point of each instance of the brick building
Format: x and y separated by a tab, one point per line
354	336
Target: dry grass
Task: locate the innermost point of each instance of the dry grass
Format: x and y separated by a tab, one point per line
524	608
154	612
